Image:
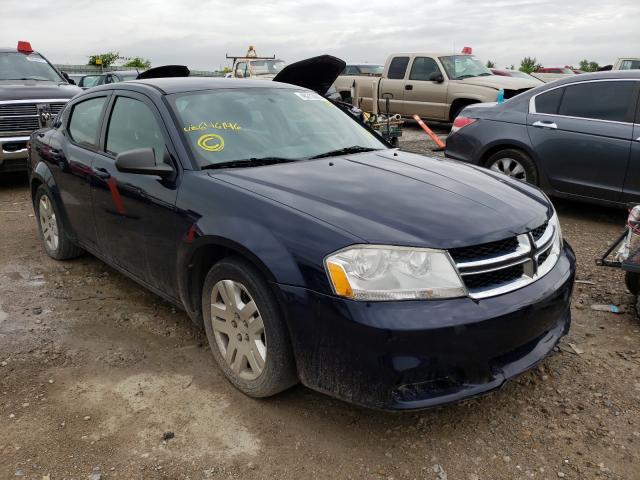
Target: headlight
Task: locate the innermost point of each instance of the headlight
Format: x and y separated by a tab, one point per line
557	241
372	272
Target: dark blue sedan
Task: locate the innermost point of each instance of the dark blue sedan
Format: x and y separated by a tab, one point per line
308	248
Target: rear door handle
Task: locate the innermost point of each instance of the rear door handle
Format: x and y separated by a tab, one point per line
408	87
102	173
545	124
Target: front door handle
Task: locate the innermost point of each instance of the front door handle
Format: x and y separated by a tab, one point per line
408	87
102	173
545	124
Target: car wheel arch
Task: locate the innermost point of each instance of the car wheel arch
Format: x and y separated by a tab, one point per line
205	252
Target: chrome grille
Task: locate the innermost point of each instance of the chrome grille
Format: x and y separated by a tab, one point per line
499	267
18	109
21	116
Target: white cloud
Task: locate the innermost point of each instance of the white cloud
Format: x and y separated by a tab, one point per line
199	33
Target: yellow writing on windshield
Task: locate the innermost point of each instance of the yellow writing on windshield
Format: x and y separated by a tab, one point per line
211	142
211	125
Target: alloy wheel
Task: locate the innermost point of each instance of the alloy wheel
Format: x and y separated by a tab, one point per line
238	329
48	223
510	167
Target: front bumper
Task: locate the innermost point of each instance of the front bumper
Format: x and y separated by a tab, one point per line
418	354
13	154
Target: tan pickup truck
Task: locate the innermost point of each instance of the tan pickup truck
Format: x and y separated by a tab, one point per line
432	85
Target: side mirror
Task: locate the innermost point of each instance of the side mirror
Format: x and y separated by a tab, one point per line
436	77
143	161
67	78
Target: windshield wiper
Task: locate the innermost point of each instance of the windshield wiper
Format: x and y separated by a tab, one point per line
465	76
248	162
485	74
345	150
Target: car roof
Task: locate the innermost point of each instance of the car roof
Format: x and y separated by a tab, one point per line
608	75
14	50
432	54
189	84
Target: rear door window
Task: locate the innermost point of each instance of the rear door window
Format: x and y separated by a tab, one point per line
613	100
398	67
423	68
85	121
549	102
133	125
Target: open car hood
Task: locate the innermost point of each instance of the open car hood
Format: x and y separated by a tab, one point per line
315	73
165	71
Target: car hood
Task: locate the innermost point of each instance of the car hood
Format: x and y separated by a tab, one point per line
315	73
406	199
498	82
32	90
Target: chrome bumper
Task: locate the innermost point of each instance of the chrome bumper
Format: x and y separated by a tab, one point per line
13	153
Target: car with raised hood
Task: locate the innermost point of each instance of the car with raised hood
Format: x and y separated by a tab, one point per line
577	137
435	86
308	249
32	92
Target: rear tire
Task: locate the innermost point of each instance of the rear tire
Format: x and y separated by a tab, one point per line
515	164
245	329
632	282
51	227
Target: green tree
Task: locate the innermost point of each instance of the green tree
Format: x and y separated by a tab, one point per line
512	67
587	66
529	65
491	64
107	59
137	62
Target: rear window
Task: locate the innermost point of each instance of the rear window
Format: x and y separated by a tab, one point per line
398	68
613	101
549	102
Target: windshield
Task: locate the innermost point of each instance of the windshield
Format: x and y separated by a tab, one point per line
374	70
464	66
91	80
266	67
244	123
19	66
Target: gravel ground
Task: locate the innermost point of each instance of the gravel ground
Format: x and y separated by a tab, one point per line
94	371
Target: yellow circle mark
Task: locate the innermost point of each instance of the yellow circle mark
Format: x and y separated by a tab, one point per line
211	142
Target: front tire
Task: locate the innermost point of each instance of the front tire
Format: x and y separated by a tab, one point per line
246	332
515	164
52	230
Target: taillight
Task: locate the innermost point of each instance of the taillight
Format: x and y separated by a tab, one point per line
461	122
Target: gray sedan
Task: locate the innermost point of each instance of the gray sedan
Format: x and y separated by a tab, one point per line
577	137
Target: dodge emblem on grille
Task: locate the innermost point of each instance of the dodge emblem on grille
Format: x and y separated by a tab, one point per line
44	114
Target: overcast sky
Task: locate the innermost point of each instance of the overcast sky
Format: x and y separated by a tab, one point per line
200	33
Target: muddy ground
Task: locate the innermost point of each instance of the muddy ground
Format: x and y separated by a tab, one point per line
94	370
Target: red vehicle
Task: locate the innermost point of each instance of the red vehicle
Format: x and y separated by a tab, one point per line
511	73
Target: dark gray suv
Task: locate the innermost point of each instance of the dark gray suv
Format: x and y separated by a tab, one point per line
577	137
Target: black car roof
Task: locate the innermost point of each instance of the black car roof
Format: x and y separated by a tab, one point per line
190	84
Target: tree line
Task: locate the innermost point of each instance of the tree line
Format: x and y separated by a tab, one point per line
530	65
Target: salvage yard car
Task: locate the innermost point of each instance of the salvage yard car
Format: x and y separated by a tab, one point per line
32	92
577	138
252	205
435	86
